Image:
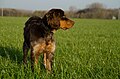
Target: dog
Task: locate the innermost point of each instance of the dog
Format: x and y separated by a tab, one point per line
38	36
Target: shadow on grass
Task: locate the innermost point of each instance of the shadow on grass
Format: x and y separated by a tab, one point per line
11	53
16	55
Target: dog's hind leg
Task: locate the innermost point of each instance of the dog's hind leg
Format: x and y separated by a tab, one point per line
32	59
25	52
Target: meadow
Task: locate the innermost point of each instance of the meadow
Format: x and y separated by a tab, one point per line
89	50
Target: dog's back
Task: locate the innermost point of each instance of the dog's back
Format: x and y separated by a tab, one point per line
34	29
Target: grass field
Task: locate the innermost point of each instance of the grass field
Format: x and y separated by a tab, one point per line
89	50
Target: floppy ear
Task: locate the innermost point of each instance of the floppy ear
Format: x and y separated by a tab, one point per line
53	20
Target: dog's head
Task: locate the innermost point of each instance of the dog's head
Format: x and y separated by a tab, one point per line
57	19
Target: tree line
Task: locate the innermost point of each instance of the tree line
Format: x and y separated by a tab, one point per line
14	12
98	10
94	10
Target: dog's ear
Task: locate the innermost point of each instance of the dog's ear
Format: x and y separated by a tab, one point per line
53	20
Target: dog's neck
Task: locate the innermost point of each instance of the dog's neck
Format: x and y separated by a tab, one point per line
48	26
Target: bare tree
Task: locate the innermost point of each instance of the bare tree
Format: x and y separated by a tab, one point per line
72	9
71	12
96	10
96	6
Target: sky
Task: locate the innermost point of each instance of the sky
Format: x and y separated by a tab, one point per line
48	4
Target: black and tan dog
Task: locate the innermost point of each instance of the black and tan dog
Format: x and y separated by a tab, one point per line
38	36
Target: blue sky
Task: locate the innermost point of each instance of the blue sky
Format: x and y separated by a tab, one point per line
48	4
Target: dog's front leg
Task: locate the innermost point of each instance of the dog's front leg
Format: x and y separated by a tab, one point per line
44	54
49	55
49	61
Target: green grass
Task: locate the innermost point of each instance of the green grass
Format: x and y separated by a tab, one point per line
89	50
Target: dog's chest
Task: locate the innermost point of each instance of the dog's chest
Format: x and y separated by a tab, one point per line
44	45
50	46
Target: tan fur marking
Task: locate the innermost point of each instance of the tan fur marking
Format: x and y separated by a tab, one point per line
66	24
50	47
37	49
